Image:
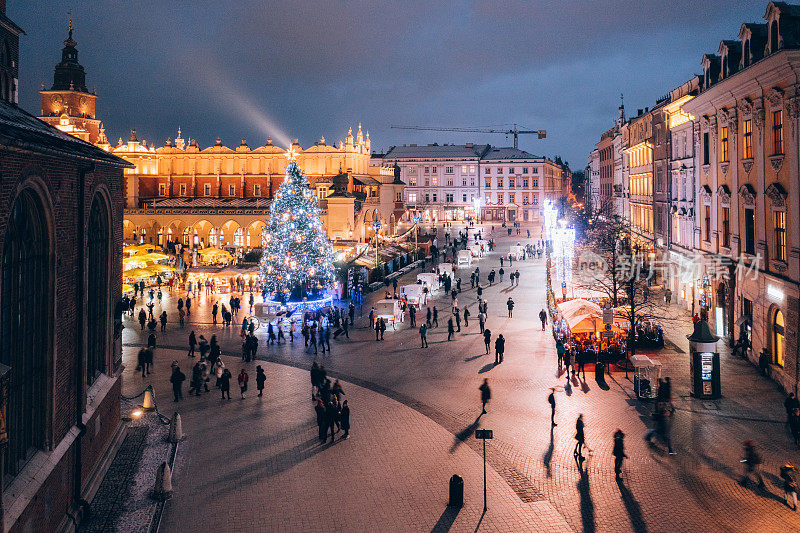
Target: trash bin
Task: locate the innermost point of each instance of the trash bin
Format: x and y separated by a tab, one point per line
599	372
456	491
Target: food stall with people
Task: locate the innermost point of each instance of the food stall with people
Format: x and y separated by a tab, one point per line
428	279
446	268
414	295
464	258
389	310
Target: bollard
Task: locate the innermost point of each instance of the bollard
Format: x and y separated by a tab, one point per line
175	428
456	491
163	488
147	402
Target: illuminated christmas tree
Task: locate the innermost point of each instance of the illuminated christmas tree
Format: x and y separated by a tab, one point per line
298	258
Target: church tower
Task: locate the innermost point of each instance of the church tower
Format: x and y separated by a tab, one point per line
68	105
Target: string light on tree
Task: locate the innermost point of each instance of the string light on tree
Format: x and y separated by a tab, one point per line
298	258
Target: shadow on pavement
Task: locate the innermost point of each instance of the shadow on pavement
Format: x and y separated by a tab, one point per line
633	507
477	527
486	367
548	455
465	433
587	505
468	359
445	521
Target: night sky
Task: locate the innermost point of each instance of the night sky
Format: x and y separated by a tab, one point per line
247	69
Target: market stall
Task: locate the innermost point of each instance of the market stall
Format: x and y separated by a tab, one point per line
464	258
414	294
389	310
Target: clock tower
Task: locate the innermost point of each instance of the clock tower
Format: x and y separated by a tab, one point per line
68	105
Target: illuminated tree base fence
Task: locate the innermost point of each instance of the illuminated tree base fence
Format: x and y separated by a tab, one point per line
274	306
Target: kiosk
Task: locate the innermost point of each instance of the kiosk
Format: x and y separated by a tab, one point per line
414	295
431	279
446	268
389	310
464	258
704	362
516	251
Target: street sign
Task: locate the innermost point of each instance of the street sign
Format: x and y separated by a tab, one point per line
483	434
607	334
608	316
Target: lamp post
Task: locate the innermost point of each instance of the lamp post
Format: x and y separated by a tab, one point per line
477	202
377	227
415	218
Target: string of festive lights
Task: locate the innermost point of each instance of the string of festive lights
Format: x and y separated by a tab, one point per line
298	258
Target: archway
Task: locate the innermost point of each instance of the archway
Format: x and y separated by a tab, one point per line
98	289
227	233
128	230
253	237
25	330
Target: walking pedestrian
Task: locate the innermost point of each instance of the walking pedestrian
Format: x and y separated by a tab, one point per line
177	378
192	344
214	311
551	399
501	271
428	317
261	378
412	315
197	379
579	438
543	318
142	318
457	316
225	383
423	335
481	319
487	339
751	462
619	453
141	360
789	485
344	420
510	305
486	394
243	379
163	319
383	327
560	351
322	426
466	317
499	348
435	317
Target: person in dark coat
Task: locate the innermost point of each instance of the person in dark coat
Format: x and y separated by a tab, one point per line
487	339
225	383
319	408
192	344
450	329
486	394
510	305
344	417
580	439
141	361
543	318
177	378
499	348
332	419
619	452
551	399
142	318
197	380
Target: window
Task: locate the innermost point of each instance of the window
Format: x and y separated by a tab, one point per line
435	181
724	138
535	182
726	227
535	170
463	169
500	198
398	197
525	183
322	193
707	223
488	198
488	183
535	199
448	170
472	169
427	170
433	170
449	181
780	235
749	231
98	290
162	189
777	132
464	181
524	170
412	197
448	198
706	157
464	198
778	338
183	189
511	198
238	237
510	170
487	170
427	198
472	181
257	190
510	183
25	330
499	183
207	189
434	197
525	198
231	190
747	142
412	182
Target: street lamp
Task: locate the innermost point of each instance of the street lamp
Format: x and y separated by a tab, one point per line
377	227
415	218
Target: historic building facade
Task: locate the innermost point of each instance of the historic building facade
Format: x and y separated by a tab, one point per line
61	239
640	177
748	187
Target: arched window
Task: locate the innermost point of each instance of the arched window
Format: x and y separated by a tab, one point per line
98	290
773	36
778	338
212	237
25	330
237	237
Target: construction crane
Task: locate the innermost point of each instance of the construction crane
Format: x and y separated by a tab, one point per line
515	131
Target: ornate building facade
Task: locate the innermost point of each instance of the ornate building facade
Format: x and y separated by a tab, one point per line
220	196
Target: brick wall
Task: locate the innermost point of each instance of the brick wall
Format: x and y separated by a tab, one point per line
60	177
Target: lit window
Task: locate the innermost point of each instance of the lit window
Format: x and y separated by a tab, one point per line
472	169
207	189
500	198
780	235
231	190
747	134
183	189
488	198
778	339
412	197
435	180
257	190
412	182
724	144
463	169
777	132
162	189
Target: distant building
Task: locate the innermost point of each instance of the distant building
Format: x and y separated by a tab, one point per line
60	327
592	197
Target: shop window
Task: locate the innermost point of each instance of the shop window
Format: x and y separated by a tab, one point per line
778	338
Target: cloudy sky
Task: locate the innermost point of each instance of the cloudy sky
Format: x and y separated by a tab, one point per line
250	69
